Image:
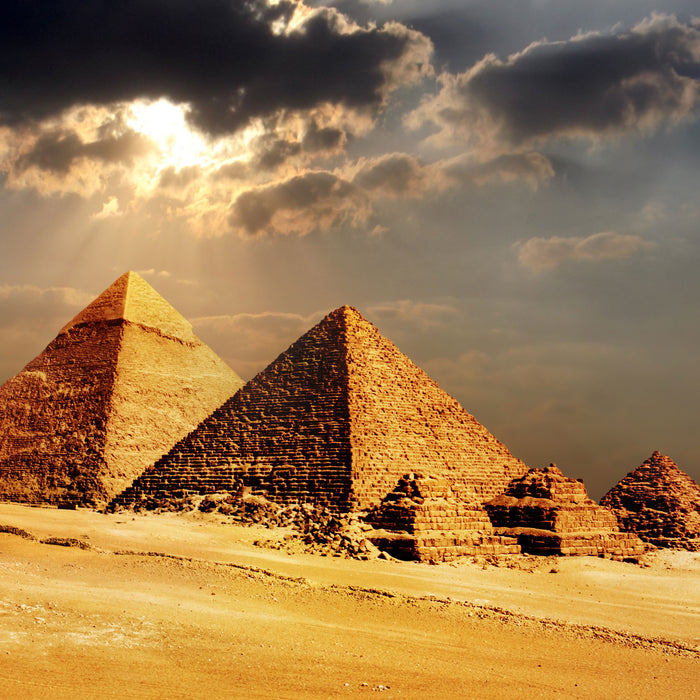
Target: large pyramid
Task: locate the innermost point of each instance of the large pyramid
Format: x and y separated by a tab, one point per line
118	386
658	502
337	419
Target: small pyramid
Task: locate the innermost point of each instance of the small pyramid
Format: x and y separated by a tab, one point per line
118	386
421	519
336	419
659	503
552	514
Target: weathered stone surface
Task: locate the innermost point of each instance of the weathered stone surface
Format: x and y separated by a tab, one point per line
424	521
119	385
659	503
335	420
552	514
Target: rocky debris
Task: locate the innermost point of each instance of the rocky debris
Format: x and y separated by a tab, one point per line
12	530
659	503
549	513
329	533
67	542
334	421
423	520
312	528
119	385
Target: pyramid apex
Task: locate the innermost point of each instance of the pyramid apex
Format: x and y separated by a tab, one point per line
131	298
132	276
349	314
346	309
658	459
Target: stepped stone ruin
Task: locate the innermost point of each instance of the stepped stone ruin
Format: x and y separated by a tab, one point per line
552	514
425	522
335	420
118	386
659	503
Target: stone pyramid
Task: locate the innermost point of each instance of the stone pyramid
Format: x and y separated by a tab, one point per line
421	519
118	386
337	419
552	514
658	502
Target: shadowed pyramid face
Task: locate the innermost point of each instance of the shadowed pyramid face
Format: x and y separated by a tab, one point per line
659	502
337	419
119	385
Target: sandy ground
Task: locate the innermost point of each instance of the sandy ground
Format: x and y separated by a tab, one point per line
180	607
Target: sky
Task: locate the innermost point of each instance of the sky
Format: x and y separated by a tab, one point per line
507	189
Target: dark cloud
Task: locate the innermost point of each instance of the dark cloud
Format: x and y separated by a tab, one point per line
56	151
321	139
231	171
589	86
299	206
277	153
229	60
394	175
532	168
317	200
278	145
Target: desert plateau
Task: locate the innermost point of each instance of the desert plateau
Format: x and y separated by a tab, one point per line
186	605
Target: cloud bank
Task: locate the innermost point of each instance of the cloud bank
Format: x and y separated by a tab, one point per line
591	86
261	117
548	253
230	61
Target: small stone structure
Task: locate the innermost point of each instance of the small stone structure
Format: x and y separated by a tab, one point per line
335	420
659	503
552	514
424	521
120	384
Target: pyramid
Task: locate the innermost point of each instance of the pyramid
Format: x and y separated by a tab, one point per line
422	520
552	514
118	386
658	502
337	419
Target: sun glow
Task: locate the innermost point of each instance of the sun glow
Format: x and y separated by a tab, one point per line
166	125
179	145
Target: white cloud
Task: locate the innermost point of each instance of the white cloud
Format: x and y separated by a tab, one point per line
407	311
548	253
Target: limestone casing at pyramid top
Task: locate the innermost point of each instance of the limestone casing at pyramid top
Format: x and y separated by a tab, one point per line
131	298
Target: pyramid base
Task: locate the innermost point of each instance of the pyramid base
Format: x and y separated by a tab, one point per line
619	546
690	544
436	547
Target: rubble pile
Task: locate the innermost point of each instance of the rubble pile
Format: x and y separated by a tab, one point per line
312	528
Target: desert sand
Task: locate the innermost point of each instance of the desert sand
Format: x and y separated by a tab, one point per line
184	606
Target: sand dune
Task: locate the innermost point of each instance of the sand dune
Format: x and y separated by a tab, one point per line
207	613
